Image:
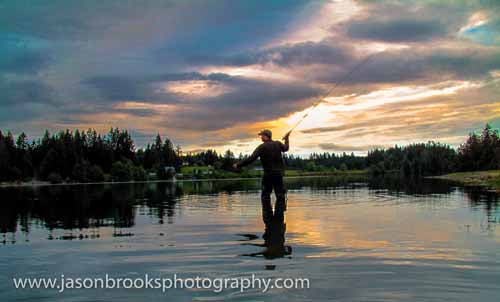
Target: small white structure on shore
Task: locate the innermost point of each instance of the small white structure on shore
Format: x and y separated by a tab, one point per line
170	172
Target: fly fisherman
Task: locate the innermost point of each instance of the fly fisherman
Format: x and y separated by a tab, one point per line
272	162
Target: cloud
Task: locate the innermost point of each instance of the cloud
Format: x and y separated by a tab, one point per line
329	62
335	128
139	112
246	100
398	22
22	92
418	65
22	61
399	30
23	100
446	118
304	53
250	101
147	87
22	54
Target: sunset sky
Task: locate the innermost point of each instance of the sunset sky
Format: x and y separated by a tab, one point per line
210	74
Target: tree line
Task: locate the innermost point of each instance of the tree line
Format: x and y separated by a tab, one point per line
87	156
83	156
479	152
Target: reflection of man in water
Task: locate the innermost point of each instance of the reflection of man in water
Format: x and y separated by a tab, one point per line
274	236
270	153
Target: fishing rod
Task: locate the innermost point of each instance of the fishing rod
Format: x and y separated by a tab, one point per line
335	85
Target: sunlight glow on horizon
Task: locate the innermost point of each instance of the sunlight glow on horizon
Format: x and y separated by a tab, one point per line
255	72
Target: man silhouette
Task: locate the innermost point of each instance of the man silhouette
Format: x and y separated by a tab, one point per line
270	154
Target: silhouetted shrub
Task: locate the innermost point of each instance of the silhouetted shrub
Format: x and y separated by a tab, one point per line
54	178
120	171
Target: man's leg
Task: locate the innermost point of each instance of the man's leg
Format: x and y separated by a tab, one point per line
267	209
280	191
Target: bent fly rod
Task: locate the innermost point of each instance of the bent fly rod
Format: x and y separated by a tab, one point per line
327	94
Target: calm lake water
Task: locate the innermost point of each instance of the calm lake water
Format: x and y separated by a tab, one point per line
356	240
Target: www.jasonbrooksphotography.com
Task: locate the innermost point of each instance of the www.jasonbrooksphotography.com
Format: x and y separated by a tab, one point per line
343	150
217	285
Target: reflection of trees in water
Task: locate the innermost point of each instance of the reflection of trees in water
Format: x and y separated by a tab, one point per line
82	207
65	207
392	184
161	198
397	186
486	200
94	206
478	197
219	186
410	186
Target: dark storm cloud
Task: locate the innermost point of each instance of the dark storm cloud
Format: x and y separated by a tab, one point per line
23	99
22	54
246	90
415	64
69	38
400	22
19	92
241	59
306	53
324	52
264	94
118	88
64	20
466	63
24	61
400	30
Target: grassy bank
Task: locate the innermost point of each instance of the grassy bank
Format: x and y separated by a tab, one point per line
217	174
205	173
325	173
477	178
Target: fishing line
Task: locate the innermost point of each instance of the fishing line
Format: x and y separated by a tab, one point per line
335	85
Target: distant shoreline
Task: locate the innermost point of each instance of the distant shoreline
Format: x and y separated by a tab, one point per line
490	179
38	183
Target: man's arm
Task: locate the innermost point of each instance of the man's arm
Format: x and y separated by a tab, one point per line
286	145
250	159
